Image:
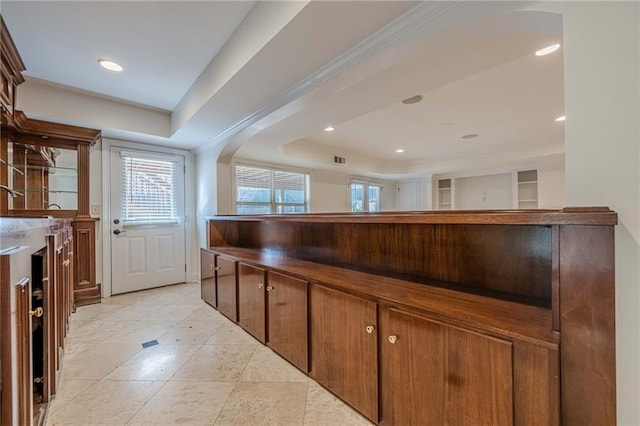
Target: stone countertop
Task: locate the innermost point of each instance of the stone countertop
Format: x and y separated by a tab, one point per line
18	231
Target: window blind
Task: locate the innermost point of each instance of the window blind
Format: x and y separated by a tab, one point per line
148	190
261	190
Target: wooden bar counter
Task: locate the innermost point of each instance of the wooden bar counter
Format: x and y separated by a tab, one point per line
492	317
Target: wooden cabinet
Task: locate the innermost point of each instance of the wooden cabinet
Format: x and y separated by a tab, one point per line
344	352
11	68
472	309
35	305
226	287
208	277
251	300
287	318
438	374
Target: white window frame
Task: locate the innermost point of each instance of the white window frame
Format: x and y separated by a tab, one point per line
273	205
367	184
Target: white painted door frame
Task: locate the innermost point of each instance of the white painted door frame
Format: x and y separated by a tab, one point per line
190	237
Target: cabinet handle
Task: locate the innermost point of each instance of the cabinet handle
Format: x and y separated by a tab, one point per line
37	312
269	288
370	329
260	285
218	268
66	262
393	338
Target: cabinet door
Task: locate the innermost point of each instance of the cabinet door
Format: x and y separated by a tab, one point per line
288	331
251	300
226	285
343	352
208	277
437	374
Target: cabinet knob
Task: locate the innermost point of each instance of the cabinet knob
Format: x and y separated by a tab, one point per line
370	329
37	312
66	262
393	338
260	285
218	268
269	288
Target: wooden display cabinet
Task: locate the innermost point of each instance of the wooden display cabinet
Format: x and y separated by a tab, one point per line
44	171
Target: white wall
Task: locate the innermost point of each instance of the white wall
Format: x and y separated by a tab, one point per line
551	183
602	138
484	192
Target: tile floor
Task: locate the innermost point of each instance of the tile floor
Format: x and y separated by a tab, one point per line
204	370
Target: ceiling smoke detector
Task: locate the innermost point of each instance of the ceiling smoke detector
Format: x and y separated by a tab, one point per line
412	100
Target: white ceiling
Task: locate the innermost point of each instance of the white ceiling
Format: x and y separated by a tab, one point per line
253	74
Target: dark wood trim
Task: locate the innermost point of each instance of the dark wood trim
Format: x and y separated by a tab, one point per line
587	322
52	130
6	399
566	216
23	351
10	55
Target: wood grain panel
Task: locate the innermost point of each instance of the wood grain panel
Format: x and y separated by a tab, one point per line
23	351
587	323
252	300
344	356
287	316
227	287
444	375
208	277
536	385
6	396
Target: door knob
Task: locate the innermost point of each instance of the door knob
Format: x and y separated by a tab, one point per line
260	285
269	288
218	268
118	232
393	338
370	329
37	312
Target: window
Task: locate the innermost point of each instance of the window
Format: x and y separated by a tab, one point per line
148	190
261	190
365	197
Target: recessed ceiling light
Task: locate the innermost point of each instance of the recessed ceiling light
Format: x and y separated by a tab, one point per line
547	50
412	100
399	150
329	129
561	118
110	65
470	136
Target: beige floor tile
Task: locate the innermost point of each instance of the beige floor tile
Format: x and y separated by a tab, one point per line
158	362
189	334
325	409
108	402
206	313
98	361
172	311
266	366
96	331
192	403
96	311
264	404
67	390
141	332
216	363
231	334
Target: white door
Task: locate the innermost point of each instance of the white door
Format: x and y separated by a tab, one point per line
147	220
407	195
